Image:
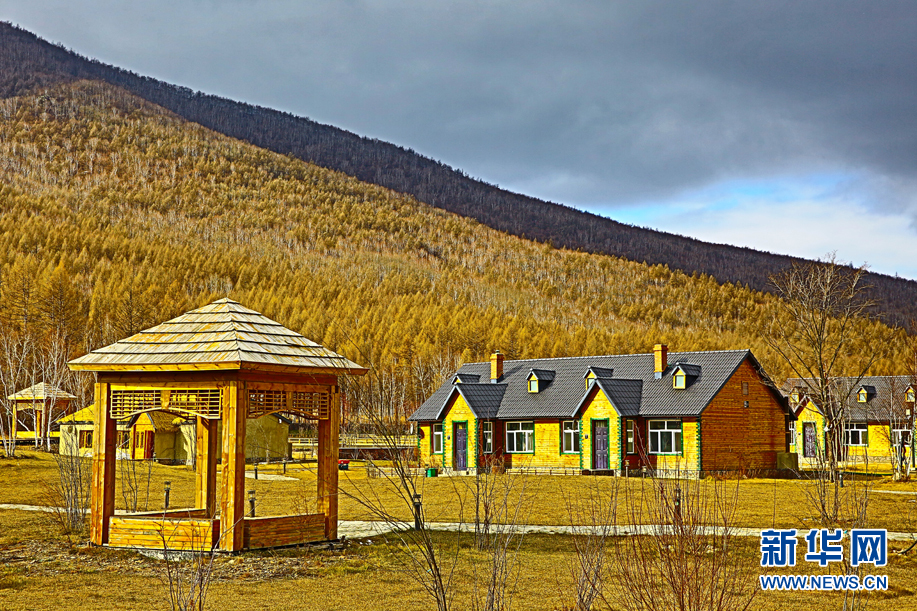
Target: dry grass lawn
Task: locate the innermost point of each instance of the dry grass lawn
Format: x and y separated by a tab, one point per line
42	569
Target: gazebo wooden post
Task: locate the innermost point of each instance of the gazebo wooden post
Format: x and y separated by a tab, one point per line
103	468
232	504
328	451
205	463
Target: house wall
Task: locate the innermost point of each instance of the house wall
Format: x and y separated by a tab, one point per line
688	459
879	448
811	415
736	437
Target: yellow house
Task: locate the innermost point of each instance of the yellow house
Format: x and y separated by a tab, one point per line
876	420
683	412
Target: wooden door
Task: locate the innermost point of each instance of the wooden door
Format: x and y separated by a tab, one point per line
148	445
809	440
460	452
599	444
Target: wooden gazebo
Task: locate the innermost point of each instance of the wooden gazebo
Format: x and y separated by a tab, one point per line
222	362
44	401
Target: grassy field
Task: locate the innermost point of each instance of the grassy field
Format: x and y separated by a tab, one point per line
42	569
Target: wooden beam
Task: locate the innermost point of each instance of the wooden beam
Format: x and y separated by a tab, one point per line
232	503
104	447
205	464
328	450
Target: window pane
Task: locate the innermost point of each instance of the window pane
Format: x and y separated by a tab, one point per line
654	442
678	447
657	425
665	442
673	425
528	426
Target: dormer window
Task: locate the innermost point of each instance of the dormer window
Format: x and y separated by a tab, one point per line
910	395
590	379
678	380
861	396
865	393
684	375
795	396
539	379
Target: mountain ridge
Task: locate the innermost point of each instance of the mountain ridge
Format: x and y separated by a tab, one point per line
28	62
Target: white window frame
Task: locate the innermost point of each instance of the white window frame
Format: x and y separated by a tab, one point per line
862	396
570	437
436	435
792	432
896	437
487	437
520	432
533	385
630	440
858	431
671	430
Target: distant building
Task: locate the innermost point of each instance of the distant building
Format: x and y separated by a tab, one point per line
692	412
877	418
33	406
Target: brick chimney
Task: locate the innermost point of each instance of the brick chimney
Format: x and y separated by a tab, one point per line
496	366
660	359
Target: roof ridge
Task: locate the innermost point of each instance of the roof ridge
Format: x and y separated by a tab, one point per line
601	356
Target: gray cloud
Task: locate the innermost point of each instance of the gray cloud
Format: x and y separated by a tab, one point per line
586	102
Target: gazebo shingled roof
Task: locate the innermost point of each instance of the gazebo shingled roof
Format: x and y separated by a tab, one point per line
221	335
39	392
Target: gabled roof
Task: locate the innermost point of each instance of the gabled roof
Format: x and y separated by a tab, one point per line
483	399
545	375
85	415
886	396
39	392
600	372
564	395
625	396
692	371
467	378
222	335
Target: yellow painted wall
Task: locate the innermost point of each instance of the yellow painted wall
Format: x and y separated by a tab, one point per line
688	459
808	414
547	449
879	448
598	408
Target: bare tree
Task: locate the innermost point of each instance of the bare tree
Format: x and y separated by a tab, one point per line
821	305
592	520
16	350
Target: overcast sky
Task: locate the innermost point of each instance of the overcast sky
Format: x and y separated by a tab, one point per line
784	126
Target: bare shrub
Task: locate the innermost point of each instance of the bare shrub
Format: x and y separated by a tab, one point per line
68	496
686	557
592	521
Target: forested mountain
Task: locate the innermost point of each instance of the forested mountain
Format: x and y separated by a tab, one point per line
116	214
28	64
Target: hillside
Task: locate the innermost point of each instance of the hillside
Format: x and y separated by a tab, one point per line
116	214
28	64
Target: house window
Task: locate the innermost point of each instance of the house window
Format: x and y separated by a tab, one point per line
856	434
630	428
590	380
792	431
520	437
85	439
901	437
437	438
794	397
678	380
745	388
665	437
910	396
533	385
570	438
487	437
861	396
123	439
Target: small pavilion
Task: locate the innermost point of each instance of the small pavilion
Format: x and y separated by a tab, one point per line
222	362
44	401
